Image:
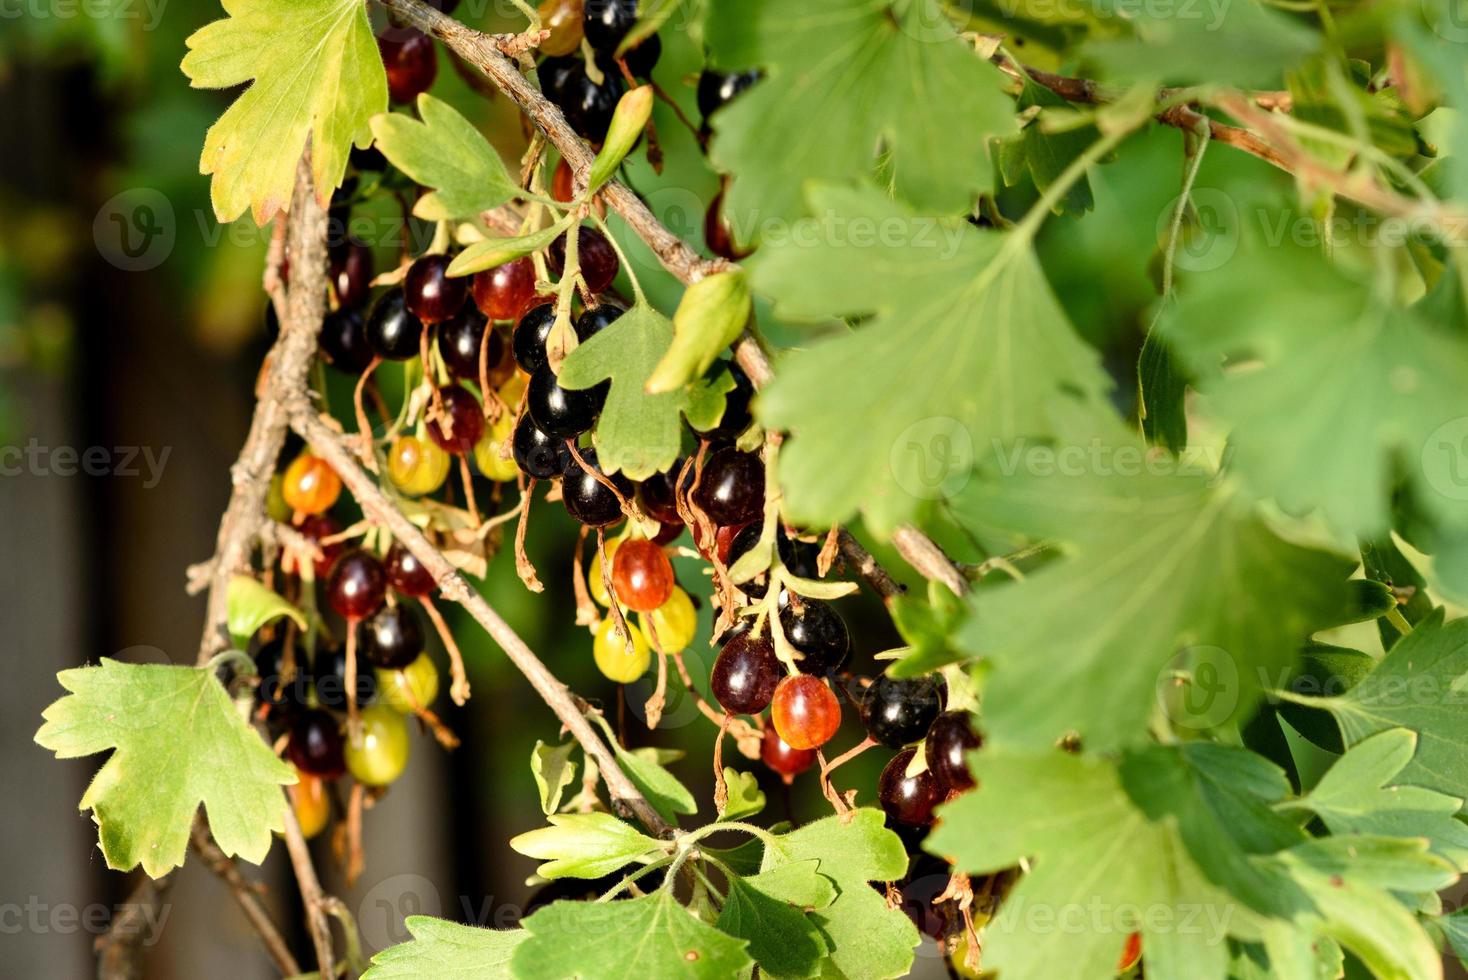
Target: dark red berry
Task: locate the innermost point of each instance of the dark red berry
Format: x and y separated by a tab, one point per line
745	672
503	292
315	745
432	295
406	573
357	586
411	64
594	254
908	799
732	488
459	428
950	739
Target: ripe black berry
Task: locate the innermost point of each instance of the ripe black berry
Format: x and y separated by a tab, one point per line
607	22
586	498
746	672
432	295
393	638
344	341
818	632
528	342
392	331
538	455
898	712
562	412
950	738
716	89
593	321
732	488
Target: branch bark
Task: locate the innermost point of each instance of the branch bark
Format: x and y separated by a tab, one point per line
312	896
328	444
289	362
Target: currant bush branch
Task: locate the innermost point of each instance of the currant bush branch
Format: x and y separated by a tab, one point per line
482	51
246	893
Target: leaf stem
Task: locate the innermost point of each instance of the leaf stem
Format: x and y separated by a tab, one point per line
1395	617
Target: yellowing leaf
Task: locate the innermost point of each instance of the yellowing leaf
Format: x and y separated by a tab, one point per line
315	70
179	742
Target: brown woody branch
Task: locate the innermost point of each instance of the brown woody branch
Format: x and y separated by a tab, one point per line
120	949
246	893
288	364
484	53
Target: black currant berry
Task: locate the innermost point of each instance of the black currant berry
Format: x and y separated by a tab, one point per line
642	58
799	557
460	339
528	342
716	89
587	499
562	412
392	331
746	672
606	22
908	799
351	273
593	321
818	632
657	495
594	255
432	294
330	679
950	738
393	638
732	488
315	745
344	341
898	712
538	455
281	689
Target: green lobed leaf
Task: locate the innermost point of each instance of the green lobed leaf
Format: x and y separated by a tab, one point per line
1173	595
638	434
178	742
250	605
447	951
661	788
553	770
868	939
964	348
1092	848
745	797
1417	686
841	79
1044	156
584	845
1361	794
315	70
628	939
770	911
446	152
1381	384
1240	43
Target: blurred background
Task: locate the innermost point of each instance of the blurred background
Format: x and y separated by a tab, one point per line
131	330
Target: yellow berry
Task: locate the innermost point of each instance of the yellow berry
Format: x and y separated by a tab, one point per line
614	659
512	389
416	683
674	622
487	451
416	466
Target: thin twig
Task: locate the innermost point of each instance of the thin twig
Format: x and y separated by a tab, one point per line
120	949
246	893
312	897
